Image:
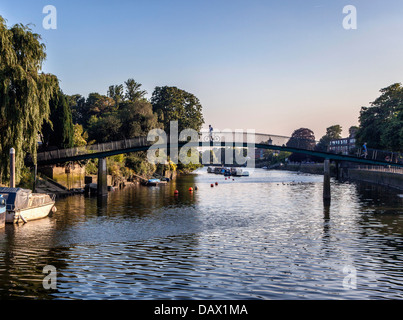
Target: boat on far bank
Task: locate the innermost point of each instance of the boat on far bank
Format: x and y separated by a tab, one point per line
22	204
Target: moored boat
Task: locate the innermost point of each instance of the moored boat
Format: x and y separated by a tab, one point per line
22	204
2	212
153	182
241	173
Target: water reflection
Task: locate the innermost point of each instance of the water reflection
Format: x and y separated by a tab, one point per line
265	236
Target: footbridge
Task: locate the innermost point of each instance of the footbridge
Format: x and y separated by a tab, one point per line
218	140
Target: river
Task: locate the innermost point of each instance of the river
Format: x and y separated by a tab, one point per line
266	236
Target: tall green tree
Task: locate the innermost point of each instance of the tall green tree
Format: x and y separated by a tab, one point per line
133	91
25	93
59	131
116	93
381	124
173	104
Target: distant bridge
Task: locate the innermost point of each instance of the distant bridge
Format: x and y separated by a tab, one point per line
243	140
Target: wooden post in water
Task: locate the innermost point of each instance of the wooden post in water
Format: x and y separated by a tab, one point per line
35	174
12	168
326	181
102	184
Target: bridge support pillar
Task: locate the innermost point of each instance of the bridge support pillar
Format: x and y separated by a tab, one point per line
102	183
326	182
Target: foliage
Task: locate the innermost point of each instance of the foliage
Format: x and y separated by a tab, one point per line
137	163
80	137
173	104
302	138
59	131
116	93
332	133
133	91
381	124
24	93
137	118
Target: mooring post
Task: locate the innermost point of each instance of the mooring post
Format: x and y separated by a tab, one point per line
337	171
35	173
326	181
102	184
12	168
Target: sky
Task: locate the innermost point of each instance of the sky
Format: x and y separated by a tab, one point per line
271	66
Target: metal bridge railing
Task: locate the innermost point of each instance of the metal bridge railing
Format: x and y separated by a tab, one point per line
95	148
218	137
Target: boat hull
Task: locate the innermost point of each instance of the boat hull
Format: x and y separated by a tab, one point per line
29	214
2	217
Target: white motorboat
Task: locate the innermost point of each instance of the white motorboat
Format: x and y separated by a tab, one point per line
241	173
22	204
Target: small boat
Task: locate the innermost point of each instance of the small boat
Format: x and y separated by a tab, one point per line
2	212
22	204
241	173
153	182
210	170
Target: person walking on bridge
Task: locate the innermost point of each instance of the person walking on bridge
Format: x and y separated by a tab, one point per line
210	128
365	150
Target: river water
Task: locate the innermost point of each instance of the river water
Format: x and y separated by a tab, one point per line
266	236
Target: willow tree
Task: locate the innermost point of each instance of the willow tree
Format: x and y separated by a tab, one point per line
24	93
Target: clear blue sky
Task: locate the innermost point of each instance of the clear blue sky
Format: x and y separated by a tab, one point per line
273	66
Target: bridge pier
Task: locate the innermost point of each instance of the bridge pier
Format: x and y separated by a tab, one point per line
102	183
326	182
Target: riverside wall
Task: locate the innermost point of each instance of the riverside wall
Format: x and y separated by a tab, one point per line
387	179
346	172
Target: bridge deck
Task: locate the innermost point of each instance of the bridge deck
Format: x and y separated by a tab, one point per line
263	141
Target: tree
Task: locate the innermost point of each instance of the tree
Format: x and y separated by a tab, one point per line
173	104
59	131
381	124
25	93
116	93
95	105
302	138
332	133
104	129
133	91
80	137
137	119
77	105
